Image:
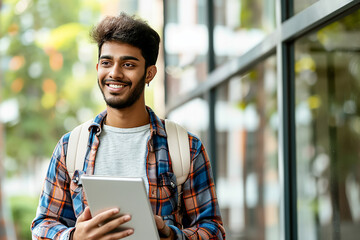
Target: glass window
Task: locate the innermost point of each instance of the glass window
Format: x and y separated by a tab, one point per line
240	25
198	123
247	154
186	45
327	111
300	5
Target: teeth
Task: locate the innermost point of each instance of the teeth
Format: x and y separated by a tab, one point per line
116	86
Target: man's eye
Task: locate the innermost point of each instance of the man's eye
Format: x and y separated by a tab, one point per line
105	63
128	65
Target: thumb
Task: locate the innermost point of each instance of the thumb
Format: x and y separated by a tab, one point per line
163	229
85	216
159	222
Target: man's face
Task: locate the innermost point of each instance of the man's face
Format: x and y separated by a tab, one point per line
121	74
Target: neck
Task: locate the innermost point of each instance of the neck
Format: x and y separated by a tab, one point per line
133	116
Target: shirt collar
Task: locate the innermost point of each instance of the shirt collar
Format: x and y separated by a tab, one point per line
156	124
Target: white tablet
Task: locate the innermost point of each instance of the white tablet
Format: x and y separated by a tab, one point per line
127	194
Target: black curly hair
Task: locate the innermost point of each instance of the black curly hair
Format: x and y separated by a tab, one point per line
130	30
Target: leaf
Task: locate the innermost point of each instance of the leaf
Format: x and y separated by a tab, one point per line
63	37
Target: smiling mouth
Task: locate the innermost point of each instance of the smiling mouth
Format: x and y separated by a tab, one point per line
115	86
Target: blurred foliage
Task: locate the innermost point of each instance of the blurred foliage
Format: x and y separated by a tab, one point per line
327	87
48	84
250	19
330	50
257	14
23	209
48	67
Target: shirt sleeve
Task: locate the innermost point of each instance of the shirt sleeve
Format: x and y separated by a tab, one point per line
55	218
201	218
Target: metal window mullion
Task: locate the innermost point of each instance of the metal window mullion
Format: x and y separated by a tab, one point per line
211	26
314	17
165	14
287	141
286	9
228	70
212	139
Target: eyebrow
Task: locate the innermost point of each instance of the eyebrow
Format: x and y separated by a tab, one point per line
123	58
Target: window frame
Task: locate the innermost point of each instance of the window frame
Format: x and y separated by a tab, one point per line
290	27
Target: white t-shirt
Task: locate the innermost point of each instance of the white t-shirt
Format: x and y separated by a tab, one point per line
122	152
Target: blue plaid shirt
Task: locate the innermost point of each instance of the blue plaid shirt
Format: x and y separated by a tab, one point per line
62	199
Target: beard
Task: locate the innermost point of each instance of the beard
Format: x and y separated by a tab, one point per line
118	103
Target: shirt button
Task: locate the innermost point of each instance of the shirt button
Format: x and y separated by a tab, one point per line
76	180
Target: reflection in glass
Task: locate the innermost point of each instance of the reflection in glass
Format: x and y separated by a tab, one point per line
247	145
186	45
240	25
300	5
194	116
328	131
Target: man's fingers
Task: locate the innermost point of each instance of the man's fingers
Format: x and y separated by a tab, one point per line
86	215
116	223
113	229
104	216
105	225
119	235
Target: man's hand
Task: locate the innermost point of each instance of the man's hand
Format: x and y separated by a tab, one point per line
101	226
165	231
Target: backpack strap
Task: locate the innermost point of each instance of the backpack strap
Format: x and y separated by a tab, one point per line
179	149
178	143
77	147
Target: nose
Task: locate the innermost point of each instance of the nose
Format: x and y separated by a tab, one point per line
116	72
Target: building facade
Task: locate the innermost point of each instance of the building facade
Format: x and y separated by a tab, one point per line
271	87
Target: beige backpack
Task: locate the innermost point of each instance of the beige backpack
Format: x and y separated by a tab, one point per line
178	143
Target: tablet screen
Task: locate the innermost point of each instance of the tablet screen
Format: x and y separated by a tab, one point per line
127	194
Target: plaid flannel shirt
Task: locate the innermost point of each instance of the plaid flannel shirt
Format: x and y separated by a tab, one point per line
62	199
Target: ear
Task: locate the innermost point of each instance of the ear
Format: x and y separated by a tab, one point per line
150	73
97	67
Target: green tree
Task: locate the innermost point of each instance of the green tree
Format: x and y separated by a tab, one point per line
46	74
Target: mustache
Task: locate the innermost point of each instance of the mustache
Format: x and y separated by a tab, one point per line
107	81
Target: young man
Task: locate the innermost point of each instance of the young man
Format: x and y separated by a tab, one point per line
128	139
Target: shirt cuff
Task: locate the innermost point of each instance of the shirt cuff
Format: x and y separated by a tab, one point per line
67	234
178	233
